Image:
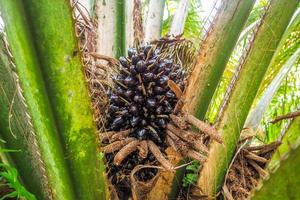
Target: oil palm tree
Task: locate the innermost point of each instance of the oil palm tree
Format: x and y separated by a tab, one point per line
56	64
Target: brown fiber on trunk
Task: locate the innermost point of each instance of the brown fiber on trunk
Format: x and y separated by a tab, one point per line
247	169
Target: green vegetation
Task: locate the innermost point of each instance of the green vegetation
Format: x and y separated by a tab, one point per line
9	177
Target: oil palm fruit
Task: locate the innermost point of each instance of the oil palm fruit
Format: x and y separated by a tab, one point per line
140	98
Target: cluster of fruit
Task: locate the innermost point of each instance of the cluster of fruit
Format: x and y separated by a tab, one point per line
141	99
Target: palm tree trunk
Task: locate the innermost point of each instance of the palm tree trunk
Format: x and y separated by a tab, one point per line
154	20
133	23
179	18
111	27
243	93
129	23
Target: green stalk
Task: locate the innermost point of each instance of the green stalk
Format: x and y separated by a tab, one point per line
53	30
179	18
133	23
284	51
120	31
214	54
129	23
256	114
285	182
38	143
243	93
282	61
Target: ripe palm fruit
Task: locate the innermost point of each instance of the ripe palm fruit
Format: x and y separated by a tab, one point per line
141	99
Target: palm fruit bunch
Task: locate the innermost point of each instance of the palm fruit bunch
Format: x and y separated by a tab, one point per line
141	99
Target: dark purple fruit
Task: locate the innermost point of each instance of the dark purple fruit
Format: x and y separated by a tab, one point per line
168	109
159	110
147	49
128	94
163	80
158	90
167	71
123	61
162	122
132	70
141	66
113	108
131	52
141	133
138	99
134	121
125	113
133	110
148	77
151	103
151	62
130	81
161	66
135	59
155	136
141	100
114	99
151	158
117	122
170	94
168	63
